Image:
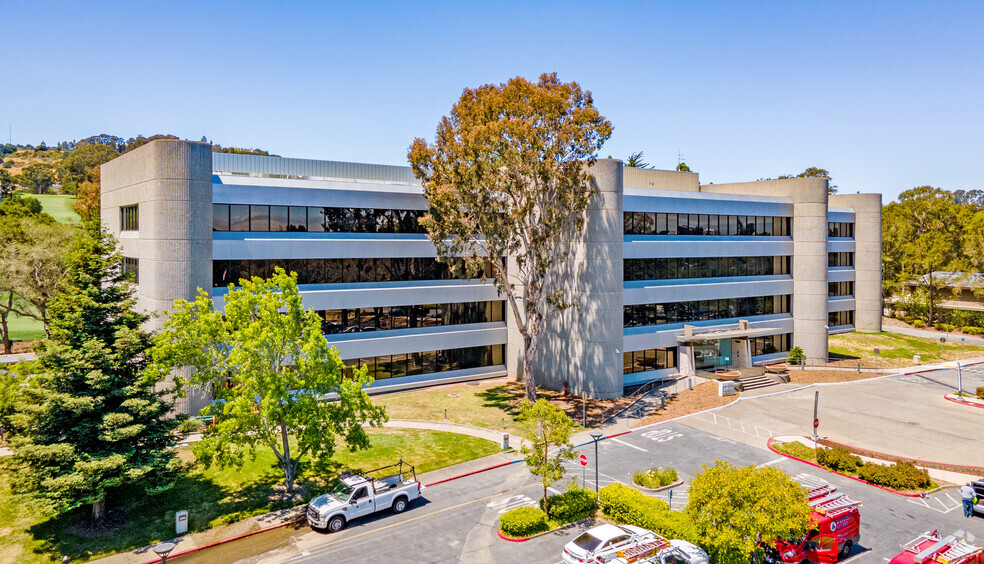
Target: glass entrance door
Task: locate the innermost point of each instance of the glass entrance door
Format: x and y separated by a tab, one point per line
711	354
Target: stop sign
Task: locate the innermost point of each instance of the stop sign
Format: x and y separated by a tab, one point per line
816	423
583	459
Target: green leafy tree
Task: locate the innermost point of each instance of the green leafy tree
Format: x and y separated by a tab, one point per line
39	261
733	508
546	427
7	184
79	165
922	234
17	216
11	382
814	172
507	176
270	370
37	177
682	167
91	422
635	161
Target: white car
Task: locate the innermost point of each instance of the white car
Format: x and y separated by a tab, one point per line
599	544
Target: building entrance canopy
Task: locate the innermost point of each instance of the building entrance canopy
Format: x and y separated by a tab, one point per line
741	330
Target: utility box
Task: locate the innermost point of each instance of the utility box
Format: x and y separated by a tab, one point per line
916	359
726	387
180	522
504	442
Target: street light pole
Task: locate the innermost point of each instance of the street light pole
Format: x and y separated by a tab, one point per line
163	549
597	437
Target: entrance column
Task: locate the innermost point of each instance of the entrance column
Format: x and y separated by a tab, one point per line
685	353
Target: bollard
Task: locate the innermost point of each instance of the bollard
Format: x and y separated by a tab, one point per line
445	414
859	366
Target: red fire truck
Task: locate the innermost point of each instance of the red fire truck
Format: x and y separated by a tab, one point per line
930	547
836	529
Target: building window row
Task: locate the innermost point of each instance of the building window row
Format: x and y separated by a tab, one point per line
840	229
242	217
356	320
837	318
651	223
703	267
840	259
840	288
411	364
649	359
703	310
771	344
129	218
132	265
333	271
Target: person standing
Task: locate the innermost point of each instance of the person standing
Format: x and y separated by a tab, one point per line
967	494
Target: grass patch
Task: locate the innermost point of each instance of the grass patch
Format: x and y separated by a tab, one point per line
489	404
655	477
896	350
24	328
58	206
212	496
797	449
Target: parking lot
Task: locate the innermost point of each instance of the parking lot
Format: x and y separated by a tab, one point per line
458	520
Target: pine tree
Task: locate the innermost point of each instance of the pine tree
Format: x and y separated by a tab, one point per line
90	423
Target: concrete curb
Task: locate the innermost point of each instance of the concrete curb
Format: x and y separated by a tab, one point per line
961	402
511	539
770	440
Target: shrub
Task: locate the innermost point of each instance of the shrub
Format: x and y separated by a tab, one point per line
655	477
797	449
573	505
899	476
918	323
190	426
980	392
838	459
523	522
795	356
908	320
623	504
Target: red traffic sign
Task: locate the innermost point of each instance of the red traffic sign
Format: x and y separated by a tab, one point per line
816	423
583	459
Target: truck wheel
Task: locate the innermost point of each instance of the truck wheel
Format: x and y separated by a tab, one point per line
400	505
846	551
336	523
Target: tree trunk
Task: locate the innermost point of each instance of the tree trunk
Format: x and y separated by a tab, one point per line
529	349
932	298
4	329
99	509
288	466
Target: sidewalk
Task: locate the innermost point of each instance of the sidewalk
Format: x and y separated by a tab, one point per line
950	337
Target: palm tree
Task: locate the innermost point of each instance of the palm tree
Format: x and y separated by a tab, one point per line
635	161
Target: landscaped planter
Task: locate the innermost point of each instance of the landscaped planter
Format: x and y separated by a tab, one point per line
644	489
727	374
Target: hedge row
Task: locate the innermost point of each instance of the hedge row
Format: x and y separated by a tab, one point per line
523	522
980	392
623	504
572	505
898	476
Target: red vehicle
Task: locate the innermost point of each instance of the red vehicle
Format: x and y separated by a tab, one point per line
836	529
930	547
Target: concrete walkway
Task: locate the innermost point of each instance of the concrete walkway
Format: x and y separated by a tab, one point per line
950	337
15	358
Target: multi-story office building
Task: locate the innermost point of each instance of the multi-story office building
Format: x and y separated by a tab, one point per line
670	276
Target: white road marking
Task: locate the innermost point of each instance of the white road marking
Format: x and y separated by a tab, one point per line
771	462
629	445
724	440
512	502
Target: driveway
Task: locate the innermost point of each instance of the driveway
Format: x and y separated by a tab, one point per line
904	415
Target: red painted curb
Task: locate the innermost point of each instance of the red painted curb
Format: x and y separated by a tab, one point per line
224	541
468	474
768	443
960	402
510	539
618	434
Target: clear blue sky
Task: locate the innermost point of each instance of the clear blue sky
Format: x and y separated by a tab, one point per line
885	95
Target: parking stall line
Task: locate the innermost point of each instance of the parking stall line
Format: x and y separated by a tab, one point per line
621	442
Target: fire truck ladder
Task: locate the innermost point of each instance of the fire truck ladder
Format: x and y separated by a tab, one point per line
836	506
958	552
643	549
819	492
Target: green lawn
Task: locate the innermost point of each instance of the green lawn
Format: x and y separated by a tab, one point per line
897	350
490	404
59	206
212	497
24	328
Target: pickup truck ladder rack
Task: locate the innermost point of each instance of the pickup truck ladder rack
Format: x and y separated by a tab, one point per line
819	492
644	549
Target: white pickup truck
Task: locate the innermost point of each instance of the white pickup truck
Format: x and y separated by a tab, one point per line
360	494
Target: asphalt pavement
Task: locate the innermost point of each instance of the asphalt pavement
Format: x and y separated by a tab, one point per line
457	520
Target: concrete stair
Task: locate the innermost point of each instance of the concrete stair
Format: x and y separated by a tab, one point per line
755	378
